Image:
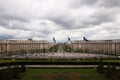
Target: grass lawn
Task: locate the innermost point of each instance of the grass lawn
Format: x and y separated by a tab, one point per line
62	74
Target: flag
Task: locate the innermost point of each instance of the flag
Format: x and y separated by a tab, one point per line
85	39
54	40
69	39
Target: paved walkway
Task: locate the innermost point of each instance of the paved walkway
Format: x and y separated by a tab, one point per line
60	66
60	49
59	55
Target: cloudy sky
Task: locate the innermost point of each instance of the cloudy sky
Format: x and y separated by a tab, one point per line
43	19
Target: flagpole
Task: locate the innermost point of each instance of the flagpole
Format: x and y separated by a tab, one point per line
53	45
53	51
85	40
68	47
84	50
71	46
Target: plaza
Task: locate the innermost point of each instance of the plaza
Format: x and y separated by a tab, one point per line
42	49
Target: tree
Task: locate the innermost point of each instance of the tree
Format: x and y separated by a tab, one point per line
113	72
108	71
15	72
100	67
23	68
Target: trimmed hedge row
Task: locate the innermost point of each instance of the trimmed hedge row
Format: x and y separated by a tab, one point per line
55	63
10	73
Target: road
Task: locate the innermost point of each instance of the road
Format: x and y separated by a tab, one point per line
60	49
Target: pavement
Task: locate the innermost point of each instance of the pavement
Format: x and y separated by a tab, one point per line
58	56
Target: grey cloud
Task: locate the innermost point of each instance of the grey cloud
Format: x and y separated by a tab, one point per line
113	28
93	20
4	22
101	3
89	2
78	3
39	34
14	17
99	19
13	24
6	36
63	22
69	22
109	3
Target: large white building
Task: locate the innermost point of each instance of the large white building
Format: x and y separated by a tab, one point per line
98	46
32	46
23	46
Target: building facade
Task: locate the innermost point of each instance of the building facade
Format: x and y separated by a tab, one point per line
36	46
98	46
23	46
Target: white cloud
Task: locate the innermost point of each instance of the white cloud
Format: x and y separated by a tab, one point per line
43	19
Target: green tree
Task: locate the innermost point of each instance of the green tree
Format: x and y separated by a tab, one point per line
100	67
15	72
22	68
113	72
108	71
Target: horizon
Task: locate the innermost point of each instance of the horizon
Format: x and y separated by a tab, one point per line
60	41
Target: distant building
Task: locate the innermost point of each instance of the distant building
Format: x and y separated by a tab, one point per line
31	46
98	46
23	46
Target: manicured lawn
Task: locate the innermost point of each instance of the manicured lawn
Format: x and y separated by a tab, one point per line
62	74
